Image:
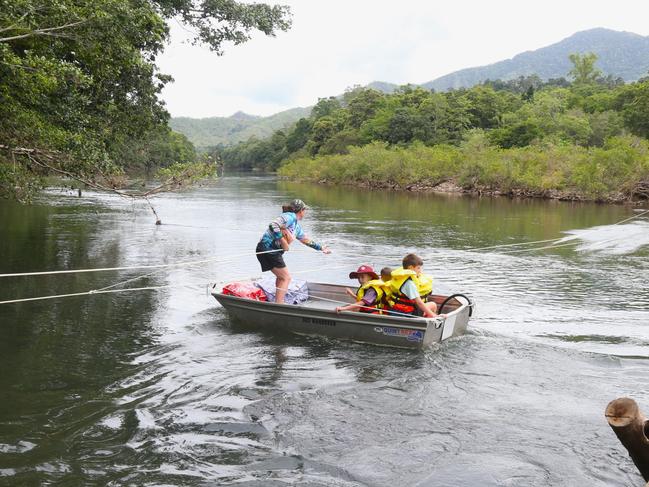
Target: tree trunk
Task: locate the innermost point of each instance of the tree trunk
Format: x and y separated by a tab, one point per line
631	428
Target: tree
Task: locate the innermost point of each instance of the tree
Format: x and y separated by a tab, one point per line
518	135
362	105
323	129
159	148
216	22
403	125
486	106
325	107
445	119
584	70
78	80
633	103
299	135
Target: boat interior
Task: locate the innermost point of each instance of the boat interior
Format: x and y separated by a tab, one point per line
329	296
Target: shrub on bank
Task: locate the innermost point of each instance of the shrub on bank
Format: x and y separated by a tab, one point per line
613	171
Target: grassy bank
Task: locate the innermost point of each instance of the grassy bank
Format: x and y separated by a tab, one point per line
616	172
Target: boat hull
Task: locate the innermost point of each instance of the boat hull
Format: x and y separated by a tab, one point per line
317	317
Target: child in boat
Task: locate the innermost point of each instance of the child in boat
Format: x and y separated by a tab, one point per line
369	296
386	277
409	288
386	274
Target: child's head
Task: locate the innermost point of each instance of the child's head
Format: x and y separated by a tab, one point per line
363	278
386	274
413	262
364	274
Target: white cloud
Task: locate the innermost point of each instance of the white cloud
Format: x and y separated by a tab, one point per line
336	44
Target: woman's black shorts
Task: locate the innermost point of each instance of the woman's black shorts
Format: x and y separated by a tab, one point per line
269	260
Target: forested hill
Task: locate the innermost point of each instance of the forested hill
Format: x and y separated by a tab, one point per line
622	54
206	132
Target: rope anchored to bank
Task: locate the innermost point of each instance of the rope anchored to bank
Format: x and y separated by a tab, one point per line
133	267
160	267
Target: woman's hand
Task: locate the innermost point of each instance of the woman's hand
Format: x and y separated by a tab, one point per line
326	250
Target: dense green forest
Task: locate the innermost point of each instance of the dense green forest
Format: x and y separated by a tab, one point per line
622	54
585	137
79	87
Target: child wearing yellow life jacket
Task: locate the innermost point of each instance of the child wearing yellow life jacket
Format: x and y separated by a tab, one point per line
386	276
409	287
369	295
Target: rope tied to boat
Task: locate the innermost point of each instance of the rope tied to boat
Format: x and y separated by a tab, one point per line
161	267
132	267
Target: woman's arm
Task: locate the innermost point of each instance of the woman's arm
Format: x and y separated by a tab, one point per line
314	245
299	234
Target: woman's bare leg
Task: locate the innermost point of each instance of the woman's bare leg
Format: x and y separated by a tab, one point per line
281	283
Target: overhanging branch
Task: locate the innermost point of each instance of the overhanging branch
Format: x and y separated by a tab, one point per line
47	31
47	159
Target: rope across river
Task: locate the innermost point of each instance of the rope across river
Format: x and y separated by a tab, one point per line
161	267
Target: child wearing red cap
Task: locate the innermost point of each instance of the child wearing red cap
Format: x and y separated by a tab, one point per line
369	296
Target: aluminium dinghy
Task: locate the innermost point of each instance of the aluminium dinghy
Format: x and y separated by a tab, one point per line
317	316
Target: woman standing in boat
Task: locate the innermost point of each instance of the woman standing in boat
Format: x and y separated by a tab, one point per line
281	232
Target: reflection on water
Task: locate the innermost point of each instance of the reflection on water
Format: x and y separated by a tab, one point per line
160	388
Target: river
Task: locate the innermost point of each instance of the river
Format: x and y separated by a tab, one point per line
159	387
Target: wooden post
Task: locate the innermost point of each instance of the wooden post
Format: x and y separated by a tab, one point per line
631	428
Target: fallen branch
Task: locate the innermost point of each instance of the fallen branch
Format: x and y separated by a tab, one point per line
48	160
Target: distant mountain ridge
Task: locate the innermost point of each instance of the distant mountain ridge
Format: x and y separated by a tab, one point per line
622	54
206	132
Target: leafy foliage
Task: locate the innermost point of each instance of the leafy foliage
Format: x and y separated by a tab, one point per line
616	171
633	103
78	79
523	135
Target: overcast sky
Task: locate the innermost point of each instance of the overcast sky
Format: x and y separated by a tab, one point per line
335	44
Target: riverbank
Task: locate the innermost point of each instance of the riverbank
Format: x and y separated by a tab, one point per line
615	173
452	187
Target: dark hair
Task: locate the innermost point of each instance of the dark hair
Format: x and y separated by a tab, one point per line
386	270
412	260
294	206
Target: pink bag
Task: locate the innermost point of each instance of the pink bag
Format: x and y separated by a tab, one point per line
244	290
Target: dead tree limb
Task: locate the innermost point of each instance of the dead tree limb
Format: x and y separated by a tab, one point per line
631	428
47	31
47	160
